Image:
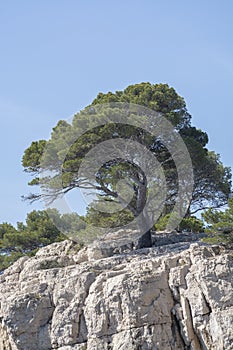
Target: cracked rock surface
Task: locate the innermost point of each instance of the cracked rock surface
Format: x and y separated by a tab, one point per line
178	297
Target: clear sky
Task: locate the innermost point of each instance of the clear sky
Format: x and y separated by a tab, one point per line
57	55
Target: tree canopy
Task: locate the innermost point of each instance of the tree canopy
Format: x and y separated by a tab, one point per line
212	181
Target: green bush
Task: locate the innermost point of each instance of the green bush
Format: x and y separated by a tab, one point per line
112	220
26	239
190	224
220	224
219	238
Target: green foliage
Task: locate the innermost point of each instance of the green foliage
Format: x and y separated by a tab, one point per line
220	223
103	219
190	224
211	179
6	228
219	238
220	220
161	224
31	158
158	97
7	260
67	223
38	231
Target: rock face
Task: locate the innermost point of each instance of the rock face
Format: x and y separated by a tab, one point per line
176	297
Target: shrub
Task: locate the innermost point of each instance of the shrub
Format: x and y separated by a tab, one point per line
190	224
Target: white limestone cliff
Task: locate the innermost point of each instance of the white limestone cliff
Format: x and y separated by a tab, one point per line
172	297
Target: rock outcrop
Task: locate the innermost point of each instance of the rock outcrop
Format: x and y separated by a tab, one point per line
176	296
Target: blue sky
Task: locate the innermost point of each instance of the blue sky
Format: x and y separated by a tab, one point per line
57	55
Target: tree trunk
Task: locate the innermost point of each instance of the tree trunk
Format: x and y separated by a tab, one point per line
145	241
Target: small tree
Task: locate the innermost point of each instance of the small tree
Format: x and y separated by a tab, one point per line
38	232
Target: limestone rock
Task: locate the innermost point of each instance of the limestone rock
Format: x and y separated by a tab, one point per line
172	297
